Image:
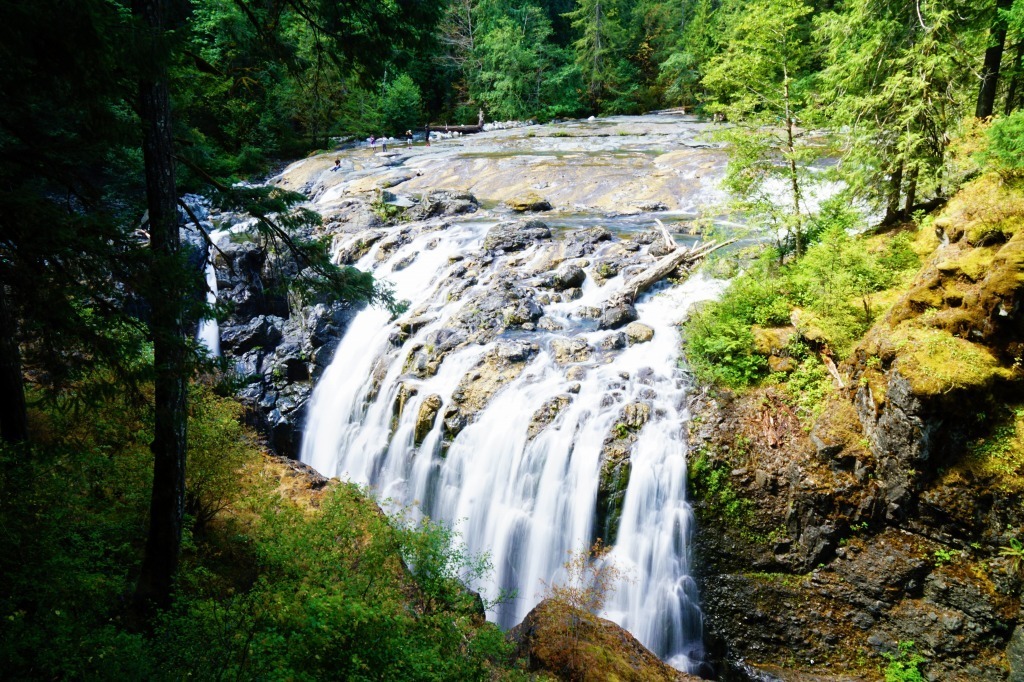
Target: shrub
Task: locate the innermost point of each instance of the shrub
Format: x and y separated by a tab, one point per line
218	447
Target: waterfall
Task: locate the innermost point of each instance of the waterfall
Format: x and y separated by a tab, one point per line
209	331
527	502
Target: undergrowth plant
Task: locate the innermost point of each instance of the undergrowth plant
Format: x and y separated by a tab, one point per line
827	288
905	664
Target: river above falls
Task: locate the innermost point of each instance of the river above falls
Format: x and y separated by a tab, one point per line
518	399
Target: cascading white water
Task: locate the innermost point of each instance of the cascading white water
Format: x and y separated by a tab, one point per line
527	502
209	330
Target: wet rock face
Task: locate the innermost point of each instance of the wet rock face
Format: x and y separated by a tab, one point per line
498	367
278	358
547	414
425	419
841	555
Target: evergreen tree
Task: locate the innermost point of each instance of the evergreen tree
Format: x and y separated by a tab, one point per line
515	63
599	47
757	84
895	81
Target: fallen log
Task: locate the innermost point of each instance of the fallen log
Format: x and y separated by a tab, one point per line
465	130
665	267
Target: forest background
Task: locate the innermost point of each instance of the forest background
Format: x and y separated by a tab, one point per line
111	109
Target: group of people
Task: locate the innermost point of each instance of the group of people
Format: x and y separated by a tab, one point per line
373	140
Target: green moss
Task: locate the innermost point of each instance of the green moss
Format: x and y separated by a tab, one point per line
936	362
710	483
999	455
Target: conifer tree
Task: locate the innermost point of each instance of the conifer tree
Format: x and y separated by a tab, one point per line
757	85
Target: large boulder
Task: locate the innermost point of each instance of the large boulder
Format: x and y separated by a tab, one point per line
568	276
572	644
515	236
638	332
583	242
617	314
528	203
441	202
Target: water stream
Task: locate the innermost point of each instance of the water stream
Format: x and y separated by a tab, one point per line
525	497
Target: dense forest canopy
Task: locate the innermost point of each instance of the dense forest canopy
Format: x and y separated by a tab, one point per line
113	109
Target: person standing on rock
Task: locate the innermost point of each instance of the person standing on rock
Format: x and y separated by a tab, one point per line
384	144
408	137
373	143
426	133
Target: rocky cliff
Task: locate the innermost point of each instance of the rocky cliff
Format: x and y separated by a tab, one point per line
886	534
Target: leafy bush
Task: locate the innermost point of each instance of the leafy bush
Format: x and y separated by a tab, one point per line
218	447
401	106
272	591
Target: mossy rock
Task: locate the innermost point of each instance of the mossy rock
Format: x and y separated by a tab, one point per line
531	202
772	340
936	362
984	211
575	645
972	264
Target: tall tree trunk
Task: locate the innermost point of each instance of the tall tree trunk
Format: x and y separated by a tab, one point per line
166	298
993	58
908	205
13	418
793	174
1011	92
892	209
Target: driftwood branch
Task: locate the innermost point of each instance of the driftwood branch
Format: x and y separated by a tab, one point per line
831	366
665	267
670	241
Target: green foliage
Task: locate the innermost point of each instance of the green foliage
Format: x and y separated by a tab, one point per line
1015	553
999	454
271	591
807	387
880	72
1006	144
945	556
759	82
401	106
830	284
710	482
905	664
218	447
